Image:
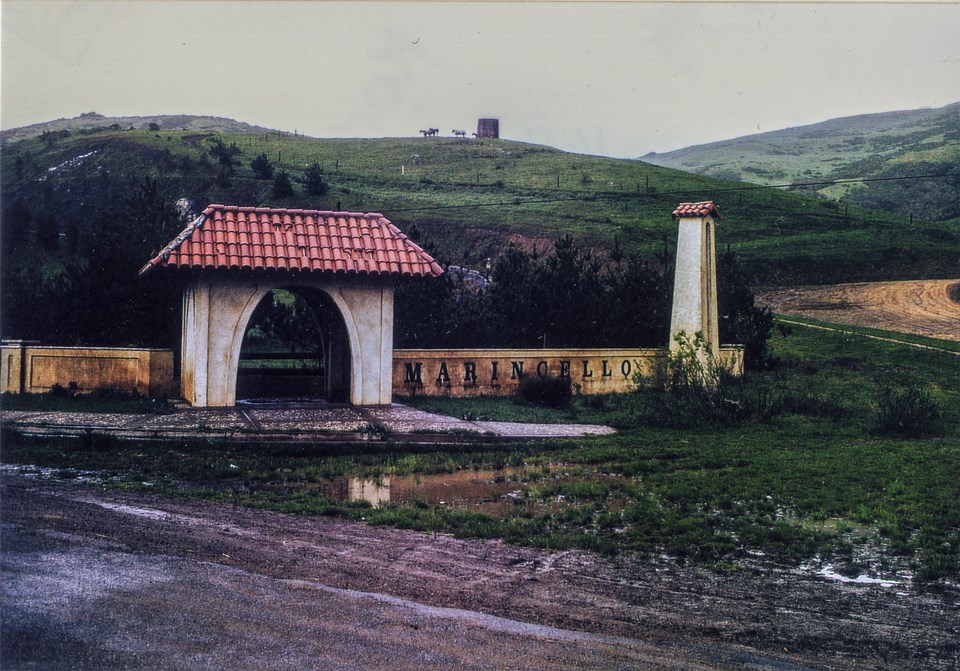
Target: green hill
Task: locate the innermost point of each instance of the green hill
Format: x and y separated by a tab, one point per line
467	198
83	209
93	122
885	146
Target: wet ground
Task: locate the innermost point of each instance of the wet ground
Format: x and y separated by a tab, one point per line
99	579
313	421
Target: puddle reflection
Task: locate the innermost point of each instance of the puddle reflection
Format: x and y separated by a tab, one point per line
489	491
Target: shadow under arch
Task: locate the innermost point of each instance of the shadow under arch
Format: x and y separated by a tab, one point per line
295	344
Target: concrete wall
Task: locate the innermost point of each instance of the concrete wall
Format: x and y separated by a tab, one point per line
31	369
497	372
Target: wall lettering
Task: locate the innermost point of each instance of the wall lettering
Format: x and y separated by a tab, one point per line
483	373
412	373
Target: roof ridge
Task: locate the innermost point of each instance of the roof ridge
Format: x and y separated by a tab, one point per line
176	242
289	210
278	240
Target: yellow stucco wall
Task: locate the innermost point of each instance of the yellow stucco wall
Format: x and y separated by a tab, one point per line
34	369
497	372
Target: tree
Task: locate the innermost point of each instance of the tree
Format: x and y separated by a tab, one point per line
154	126
223	178
15	221
154	214
741	321
72	236
282	187
313	180
223	153
48	232
261	167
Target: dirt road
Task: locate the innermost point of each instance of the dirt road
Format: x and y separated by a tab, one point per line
96	579
923	307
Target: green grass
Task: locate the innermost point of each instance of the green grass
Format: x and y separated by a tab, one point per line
926	341
467	196
810	479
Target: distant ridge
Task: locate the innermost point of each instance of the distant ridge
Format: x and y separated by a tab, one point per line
93	121
903	143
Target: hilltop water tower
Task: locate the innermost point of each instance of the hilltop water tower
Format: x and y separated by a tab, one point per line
488	128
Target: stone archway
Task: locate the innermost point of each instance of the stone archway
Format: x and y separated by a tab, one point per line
232	257
216	315
303	353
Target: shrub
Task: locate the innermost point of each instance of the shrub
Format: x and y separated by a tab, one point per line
261	167
313	180
282	186
691	387
910	411
547	391
59	391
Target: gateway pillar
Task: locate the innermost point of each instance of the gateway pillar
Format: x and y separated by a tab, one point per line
695	279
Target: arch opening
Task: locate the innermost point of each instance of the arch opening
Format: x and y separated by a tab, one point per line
295	346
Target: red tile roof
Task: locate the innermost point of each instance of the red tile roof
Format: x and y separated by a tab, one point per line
705	209
309	241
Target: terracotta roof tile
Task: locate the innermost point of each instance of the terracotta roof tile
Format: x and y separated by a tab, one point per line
704	209
314	241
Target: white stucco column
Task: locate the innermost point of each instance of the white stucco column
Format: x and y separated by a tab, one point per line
193	343
368	313
695	279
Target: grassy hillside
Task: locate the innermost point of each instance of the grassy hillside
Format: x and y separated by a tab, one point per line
465	199
93	122
888	145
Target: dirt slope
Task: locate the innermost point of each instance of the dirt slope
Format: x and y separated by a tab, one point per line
922	307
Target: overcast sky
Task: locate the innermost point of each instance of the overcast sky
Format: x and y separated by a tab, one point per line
619	79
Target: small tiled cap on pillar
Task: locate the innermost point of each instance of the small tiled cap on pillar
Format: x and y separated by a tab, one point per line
695	210
695	279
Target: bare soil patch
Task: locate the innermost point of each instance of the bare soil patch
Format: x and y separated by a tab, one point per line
310	591
922	307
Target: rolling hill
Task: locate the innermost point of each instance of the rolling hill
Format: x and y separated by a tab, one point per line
465	198
86	203
93	122
879	146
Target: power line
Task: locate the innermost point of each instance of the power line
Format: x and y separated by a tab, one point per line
516	202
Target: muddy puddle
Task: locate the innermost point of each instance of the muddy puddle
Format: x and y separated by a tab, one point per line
489	491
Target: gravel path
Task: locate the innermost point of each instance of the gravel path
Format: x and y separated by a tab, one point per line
289	422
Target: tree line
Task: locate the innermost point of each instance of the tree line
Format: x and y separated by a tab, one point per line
571	297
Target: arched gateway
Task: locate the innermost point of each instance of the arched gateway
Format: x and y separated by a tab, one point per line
232	257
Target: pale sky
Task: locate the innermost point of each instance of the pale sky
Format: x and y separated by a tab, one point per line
618	79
